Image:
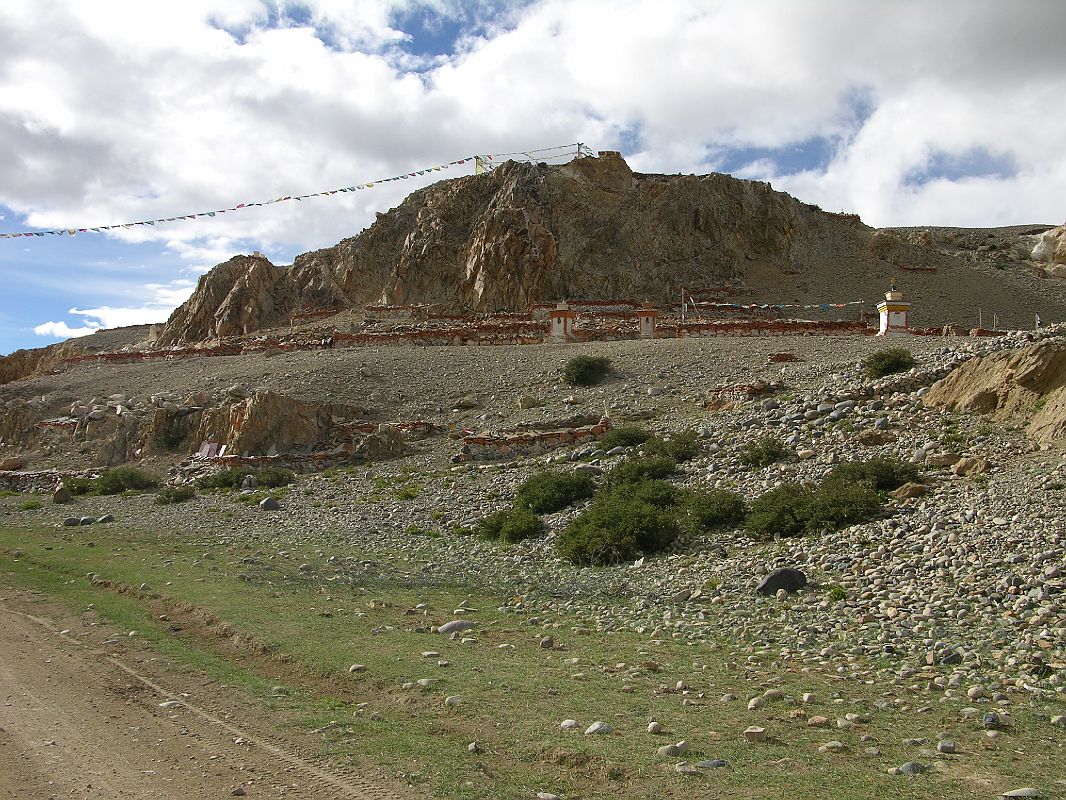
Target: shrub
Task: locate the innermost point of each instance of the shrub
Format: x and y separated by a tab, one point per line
836	505
681	446
233	477
782	511
887	362
114	481
883	474
626	436
636	470
552	491
511	525
273	477
30	505
586	370
230	478
836	593
707	510
617	527
763	452
174	494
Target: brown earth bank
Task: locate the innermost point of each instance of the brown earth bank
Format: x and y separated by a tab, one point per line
88	713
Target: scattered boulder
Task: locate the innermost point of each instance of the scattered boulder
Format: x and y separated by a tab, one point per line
269	504
61	494
787	578
910	489
11	463
456	626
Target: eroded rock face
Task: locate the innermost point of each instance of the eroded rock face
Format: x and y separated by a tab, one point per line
1027	385
529	233
1050	247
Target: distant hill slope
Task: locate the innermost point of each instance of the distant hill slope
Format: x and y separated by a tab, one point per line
593	229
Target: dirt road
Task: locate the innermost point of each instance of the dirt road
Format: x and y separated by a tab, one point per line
83	719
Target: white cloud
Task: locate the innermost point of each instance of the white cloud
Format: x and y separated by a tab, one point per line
60	330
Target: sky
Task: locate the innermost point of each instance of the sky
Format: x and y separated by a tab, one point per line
945	112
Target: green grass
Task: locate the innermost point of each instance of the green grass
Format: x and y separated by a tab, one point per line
513	700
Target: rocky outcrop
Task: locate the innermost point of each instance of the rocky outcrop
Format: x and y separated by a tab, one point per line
594	229
1050	247
27	363
1026	386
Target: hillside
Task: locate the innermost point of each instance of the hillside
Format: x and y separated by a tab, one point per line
594	229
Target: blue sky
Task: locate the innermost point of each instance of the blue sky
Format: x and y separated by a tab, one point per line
906	112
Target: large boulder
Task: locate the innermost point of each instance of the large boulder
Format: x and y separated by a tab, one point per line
788	578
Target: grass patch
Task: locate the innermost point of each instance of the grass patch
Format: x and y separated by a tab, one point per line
586	370
888	362
514	699
546	492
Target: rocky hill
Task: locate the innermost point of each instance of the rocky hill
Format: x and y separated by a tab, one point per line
594	229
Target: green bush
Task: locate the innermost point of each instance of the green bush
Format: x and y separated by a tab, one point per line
635	470
763	452
680	446
30	505
626	436
510	525
851	493
551	491
230	478
114	481
619	525
274	477
836	593
233	477
707	510
174	494
887	362
883	474
837	504
586	370
782	510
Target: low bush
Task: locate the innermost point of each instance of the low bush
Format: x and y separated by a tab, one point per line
233	477
837	504
114	481
763	452
586	370
510	525
274	477
30	505
636	470
551	491
883	474
705	511
625	436
888	362
781	511
680	446
618	526
174	494
851	493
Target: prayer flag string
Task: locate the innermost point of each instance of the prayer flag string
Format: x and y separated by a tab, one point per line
479	160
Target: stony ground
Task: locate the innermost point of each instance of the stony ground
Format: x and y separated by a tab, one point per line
956	596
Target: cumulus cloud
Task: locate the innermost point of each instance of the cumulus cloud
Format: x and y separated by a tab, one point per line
60	330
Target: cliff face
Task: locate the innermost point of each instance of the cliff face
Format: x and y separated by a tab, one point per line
590	229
